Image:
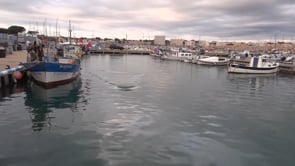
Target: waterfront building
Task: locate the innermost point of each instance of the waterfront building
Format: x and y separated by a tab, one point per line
190	43
176	42
159	40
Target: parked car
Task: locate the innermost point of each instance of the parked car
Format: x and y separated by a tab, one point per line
114	46
95	47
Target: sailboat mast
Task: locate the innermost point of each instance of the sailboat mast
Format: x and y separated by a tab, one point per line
56	38
70	30
56	28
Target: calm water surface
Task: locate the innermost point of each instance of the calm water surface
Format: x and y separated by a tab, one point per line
136	110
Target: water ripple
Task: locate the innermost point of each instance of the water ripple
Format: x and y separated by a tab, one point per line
175	114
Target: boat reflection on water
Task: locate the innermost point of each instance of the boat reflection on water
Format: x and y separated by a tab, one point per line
9	90
256	81
42	101
235	76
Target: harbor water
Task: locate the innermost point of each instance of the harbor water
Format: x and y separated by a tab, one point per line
134	110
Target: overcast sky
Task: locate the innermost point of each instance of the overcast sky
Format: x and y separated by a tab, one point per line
224	20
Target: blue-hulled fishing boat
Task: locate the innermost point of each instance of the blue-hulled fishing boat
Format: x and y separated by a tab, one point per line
62	68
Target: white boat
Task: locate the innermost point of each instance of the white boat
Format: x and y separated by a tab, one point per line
184	55
256	65
180	55
187	60
214	60
197	57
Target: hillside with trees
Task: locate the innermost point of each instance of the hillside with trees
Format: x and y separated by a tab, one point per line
14	30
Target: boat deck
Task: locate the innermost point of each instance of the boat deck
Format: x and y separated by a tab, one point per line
244	61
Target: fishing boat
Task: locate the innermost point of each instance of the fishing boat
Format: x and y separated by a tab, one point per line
214	61
61	68
253	65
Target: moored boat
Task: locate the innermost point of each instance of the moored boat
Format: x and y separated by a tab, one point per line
197	57
52	70
214	60
180	56
287	65
254	65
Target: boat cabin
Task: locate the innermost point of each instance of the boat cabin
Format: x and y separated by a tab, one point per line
183	55
256	62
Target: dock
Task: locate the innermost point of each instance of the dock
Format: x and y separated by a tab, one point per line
9	65
13	59
117	51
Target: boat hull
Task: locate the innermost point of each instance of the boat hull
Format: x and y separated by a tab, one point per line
214	61
52	74
286	67
199	62
251	70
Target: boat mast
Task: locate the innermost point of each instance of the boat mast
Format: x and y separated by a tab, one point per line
275	41
45	36
56	38
70	30
56	28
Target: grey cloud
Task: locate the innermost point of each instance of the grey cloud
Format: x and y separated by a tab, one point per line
236	16
18	6
245	19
